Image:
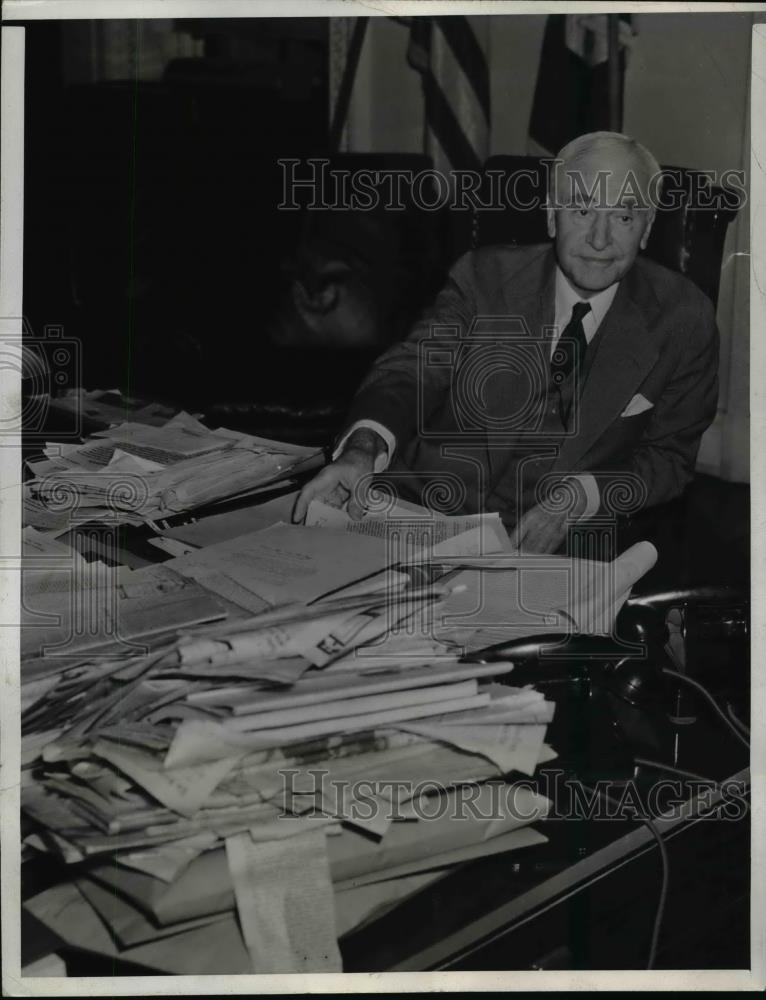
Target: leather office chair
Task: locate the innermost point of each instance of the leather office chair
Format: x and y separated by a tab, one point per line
353	281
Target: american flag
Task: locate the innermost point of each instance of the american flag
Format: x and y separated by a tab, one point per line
450	53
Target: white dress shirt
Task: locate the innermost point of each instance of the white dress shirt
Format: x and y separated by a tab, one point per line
566	299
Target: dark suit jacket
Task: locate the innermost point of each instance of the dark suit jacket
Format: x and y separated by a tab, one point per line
459	393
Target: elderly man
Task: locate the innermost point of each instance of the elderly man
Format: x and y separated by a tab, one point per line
581	369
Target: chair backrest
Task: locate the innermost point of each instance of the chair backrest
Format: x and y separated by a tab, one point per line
686	237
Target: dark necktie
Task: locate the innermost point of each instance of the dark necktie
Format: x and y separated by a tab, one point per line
568	357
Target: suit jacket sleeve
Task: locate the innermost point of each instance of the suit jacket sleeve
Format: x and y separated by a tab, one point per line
663	462
410	380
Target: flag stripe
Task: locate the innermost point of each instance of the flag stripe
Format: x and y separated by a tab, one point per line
458	94
455	82
445	125
468	53
419	49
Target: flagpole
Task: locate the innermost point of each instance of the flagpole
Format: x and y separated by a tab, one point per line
613	39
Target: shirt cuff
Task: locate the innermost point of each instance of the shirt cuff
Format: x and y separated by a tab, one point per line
384	458
592	494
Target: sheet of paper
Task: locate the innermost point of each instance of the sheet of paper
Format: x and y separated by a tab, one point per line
288	563
597	606
389	581
398	774
34	691
512	748
167	861
288	639
112	621
194	742
532	715
217	528
47	965
182	789
313	690
508	705
216	947
171	546
547	753
198	741
363	720
32	744
203	888
525	597
495	809
397	651
342	707
363	627
255	443
285	903
514	840
218	583
43	544
509	596
176	438
483	533
127	923
123	461
284	670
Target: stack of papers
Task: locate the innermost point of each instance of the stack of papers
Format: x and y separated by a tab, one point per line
239	757
275	744
135	473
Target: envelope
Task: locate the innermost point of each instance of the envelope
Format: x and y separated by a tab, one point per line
637	405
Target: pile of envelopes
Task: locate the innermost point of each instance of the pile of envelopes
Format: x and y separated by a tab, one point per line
289	753
135	472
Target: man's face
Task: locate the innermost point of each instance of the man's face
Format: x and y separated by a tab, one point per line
598	237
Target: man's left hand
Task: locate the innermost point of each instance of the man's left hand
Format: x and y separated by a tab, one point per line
544	527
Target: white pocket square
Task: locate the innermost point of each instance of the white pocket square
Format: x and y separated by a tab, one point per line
637	405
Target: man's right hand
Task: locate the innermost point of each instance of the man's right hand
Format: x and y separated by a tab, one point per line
344	479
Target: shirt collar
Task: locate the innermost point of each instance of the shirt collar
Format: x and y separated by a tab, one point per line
567	297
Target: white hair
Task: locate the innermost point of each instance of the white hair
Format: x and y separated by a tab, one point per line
594	142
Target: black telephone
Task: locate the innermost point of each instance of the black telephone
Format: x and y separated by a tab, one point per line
620	679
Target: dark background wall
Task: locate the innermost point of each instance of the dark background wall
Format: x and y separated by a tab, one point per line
152	233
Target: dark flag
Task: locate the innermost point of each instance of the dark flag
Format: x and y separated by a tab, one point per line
572	92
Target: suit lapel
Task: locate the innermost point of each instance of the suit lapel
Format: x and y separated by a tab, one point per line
624	357
530	296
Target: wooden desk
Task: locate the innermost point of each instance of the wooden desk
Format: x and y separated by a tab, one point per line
533	910
587	899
